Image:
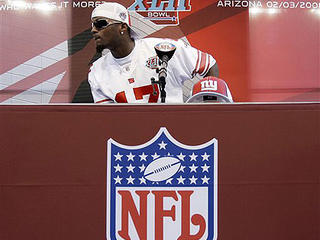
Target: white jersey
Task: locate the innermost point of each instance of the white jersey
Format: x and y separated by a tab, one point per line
128	79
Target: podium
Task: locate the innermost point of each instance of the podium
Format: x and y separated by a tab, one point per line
53	165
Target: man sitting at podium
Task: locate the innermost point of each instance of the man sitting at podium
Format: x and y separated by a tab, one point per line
141	70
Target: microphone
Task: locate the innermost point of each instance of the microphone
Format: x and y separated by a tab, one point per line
164	52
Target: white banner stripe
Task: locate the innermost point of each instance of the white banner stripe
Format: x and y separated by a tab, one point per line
41	93
34	65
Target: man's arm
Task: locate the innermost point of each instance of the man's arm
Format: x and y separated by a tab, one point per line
213	71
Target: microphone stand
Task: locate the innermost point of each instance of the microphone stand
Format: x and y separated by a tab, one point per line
165	52
162	74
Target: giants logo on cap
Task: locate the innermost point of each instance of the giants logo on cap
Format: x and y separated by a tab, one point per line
161	12
162	189
210	86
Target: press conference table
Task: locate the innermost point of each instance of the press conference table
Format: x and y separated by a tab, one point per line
53	165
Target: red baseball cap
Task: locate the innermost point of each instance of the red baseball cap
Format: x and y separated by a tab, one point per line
210	88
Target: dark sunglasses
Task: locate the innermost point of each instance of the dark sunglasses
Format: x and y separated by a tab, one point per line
101	23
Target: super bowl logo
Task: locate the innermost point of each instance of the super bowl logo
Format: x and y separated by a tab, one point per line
153	62
161	12
161	190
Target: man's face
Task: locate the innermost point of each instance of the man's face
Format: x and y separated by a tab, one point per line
105	33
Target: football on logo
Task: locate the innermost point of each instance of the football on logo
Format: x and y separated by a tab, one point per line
162	169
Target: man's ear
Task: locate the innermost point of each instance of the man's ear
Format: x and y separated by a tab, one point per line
124	27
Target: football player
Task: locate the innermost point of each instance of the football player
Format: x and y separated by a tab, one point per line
123	74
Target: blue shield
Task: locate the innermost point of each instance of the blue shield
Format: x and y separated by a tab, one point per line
162	189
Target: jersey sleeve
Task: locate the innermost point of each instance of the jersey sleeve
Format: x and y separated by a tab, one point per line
190	61
97	94
229	95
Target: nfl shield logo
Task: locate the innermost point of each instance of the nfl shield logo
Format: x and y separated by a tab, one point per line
162	190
